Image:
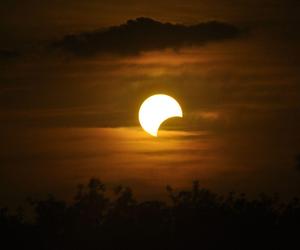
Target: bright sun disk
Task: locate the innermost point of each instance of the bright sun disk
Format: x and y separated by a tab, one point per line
155	110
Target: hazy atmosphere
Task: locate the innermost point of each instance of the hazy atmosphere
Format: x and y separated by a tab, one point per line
73	75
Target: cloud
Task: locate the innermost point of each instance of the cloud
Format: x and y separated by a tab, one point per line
8	54
144	34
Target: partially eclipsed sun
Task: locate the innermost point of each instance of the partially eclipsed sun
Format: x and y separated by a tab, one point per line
155	110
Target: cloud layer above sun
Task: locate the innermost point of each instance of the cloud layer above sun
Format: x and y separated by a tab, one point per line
145	34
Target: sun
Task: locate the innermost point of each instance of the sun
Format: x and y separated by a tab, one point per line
155	110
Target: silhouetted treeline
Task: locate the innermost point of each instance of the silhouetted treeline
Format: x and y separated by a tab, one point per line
194	219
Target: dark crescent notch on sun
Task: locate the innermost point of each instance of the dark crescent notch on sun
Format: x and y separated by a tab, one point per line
157	109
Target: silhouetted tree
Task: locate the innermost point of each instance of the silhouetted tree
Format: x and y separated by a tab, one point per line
194	218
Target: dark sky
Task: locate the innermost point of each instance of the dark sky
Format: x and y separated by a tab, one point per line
74	73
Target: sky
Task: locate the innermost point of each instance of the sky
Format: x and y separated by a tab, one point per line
73	75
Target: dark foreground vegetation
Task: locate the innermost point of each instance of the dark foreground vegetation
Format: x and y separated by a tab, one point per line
194	219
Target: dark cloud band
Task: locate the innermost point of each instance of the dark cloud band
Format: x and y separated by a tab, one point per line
144	34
